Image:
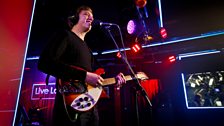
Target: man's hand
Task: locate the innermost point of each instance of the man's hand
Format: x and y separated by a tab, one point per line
93	79
120	79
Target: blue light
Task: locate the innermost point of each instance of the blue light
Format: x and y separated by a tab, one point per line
186	39
146	13
116	50
209	34
160	12
199	53
185	93
33	58
95	53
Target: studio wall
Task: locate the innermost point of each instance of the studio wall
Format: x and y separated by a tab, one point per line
14	26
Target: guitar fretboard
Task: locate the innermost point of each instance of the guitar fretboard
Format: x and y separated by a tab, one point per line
110	81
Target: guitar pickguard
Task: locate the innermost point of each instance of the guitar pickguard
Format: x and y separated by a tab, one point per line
87	100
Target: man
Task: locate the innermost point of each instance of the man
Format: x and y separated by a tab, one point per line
68	58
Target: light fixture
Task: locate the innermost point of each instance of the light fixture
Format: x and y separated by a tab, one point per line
140	3
136	47
163	33
134	27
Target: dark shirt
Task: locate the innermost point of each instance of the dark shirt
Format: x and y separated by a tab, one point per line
67	57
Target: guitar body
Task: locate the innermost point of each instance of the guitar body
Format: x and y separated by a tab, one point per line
84	101
81	99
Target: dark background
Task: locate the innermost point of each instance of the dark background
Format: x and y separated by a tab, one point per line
185	18
182	19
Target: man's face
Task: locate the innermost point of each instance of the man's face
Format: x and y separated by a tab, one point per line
86	19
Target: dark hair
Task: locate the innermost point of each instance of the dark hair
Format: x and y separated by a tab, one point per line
73	19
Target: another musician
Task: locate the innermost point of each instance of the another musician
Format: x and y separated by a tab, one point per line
67	57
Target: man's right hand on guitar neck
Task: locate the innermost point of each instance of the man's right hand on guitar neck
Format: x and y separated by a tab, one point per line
93	79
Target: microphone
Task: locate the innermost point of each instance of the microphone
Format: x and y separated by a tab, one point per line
100	23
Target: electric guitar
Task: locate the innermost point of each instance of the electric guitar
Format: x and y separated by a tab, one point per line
87	100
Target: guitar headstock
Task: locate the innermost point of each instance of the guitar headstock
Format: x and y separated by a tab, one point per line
141	76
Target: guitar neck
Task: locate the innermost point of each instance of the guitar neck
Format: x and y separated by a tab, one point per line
110	81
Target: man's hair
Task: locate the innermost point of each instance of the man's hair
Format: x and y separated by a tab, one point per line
72	20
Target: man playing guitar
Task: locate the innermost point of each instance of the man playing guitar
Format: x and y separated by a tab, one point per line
68	58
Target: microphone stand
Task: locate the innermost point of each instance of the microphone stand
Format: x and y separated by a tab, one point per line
139	88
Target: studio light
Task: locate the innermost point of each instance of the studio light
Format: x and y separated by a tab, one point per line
140	3
163	33
136	47
131	27
134	27
172	59
118	55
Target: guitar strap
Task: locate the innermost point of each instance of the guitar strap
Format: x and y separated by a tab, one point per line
70	118
47	79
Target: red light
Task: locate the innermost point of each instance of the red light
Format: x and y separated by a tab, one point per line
118	54
27	68
136	47
140	3
172	59
163	33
